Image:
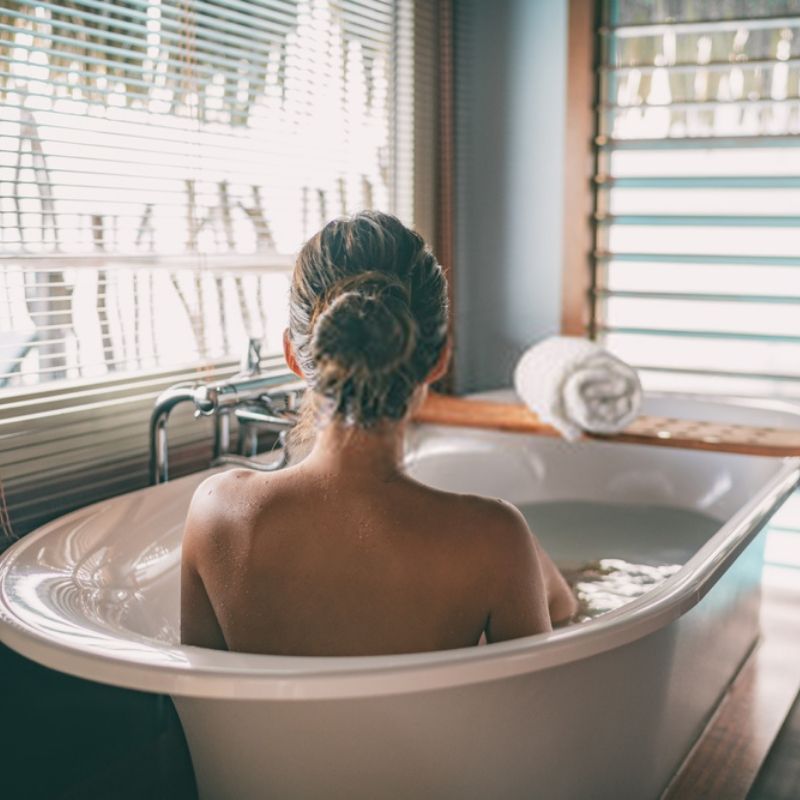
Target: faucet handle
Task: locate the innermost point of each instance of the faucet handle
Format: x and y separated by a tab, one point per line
251	360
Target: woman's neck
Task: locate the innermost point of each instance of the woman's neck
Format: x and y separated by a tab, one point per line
376	453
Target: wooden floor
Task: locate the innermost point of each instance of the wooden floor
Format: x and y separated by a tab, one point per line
751	748
779	779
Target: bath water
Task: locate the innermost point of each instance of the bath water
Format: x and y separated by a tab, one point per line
612	553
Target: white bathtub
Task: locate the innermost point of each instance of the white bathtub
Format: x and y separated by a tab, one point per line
607	709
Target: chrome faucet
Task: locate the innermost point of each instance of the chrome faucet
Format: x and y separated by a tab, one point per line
259	400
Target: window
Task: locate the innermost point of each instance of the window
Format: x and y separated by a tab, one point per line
697	278
160	163
697	262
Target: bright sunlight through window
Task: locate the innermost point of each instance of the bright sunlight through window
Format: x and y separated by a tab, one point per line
160	163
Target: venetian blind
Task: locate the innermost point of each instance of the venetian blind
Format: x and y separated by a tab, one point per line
160	163
698	193
142	140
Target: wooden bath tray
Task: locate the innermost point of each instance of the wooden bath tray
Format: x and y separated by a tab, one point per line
441	409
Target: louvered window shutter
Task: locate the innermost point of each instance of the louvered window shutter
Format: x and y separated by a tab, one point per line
697	263
698	194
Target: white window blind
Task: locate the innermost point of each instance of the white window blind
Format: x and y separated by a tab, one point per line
161	161
159	158
697	277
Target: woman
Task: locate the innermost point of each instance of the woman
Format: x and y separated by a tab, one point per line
344	554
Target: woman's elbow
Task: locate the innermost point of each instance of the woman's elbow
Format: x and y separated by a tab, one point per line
563	605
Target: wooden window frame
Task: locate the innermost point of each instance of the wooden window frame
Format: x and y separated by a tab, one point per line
578	312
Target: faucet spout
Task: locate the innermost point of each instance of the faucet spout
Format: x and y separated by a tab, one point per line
167	400
249	396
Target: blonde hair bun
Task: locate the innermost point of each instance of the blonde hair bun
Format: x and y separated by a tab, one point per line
368	316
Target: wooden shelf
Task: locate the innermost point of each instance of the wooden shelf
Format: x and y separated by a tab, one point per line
650	430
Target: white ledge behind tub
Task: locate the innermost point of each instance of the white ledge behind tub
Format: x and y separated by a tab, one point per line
46	588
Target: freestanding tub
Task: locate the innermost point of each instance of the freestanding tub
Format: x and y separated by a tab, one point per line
606	709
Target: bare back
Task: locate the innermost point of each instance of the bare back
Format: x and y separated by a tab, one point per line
314	562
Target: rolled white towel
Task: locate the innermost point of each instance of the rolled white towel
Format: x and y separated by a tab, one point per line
575	385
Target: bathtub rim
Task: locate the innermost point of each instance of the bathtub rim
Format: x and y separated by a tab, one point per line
197	672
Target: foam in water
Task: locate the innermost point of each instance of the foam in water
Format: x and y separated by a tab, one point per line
610	583
612	553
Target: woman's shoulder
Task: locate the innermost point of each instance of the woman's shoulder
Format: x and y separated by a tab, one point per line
225	500
490	511
218	488
489	522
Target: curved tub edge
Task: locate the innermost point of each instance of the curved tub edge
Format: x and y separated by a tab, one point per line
192	672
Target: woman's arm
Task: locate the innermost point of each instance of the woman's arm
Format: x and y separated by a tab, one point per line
199	625
518	588
561	602
528	592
